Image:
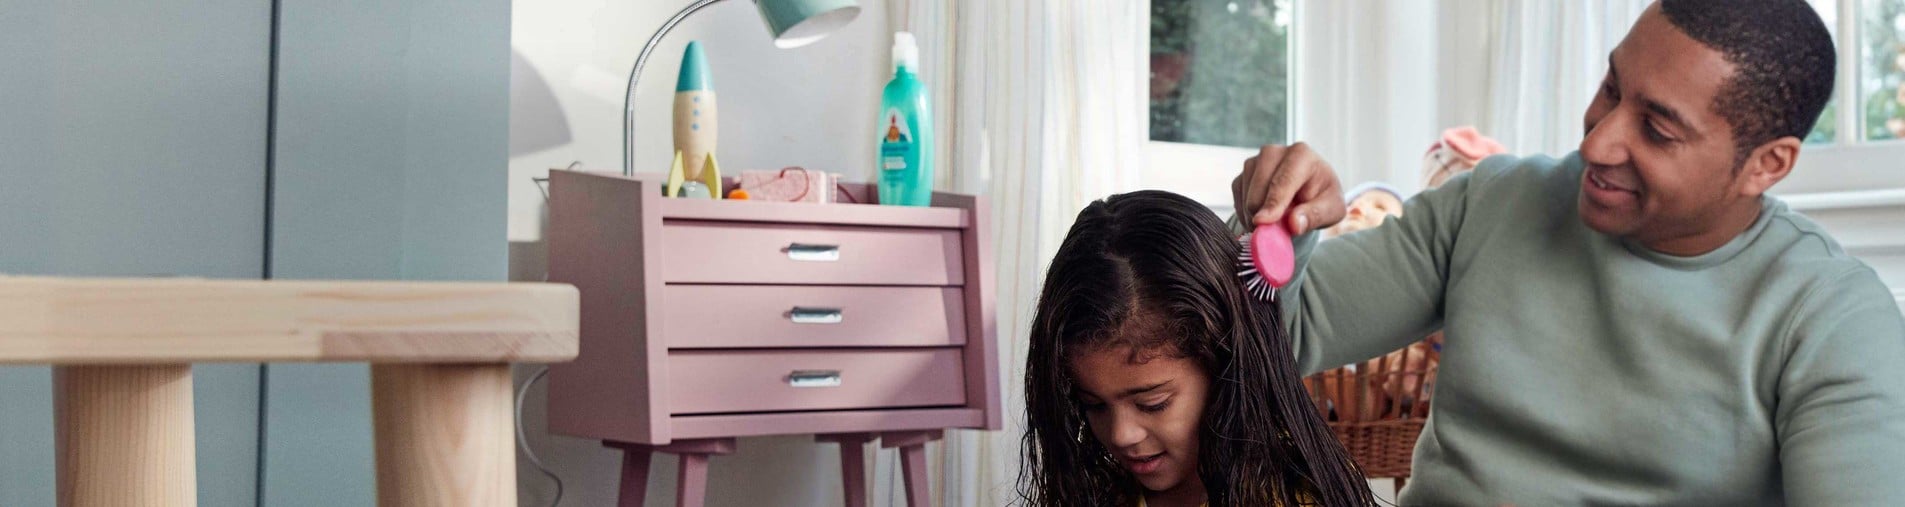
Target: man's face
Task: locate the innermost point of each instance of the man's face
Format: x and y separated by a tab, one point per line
1660	161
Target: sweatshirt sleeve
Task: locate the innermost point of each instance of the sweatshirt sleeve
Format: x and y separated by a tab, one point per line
1366	293
1840	415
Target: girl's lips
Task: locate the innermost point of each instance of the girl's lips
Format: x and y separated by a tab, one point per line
1144	465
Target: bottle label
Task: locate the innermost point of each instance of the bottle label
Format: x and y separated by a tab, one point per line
896	141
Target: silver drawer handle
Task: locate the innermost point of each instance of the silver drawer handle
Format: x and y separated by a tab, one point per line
814	378
803	315
813	253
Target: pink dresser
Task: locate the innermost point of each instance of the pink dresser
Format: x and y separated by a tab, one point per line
703	321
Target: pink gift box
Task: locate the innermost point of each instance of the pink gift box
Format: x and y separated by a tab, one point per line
793	184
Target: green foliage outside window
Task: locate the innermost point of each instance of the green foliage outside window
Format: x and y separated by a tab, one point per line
1219	71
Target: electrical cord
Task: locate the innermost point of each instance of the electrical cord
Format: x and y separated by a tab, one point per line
522	439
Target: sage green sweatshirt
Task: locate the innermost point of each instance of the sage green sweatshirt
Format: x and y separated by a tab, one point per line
1581	369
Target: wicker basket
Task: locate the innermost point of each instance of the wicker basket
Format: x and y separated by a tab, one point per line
1378	408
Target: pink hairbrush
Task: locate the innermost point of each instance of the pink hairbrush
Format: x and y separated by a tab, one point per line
1267	261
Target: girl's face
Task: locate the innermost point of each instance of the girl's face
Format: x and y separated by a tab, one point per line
1145	406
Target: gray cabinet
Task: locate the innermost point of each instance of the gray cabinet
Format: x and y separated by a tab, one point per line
393	136
147	138
132	142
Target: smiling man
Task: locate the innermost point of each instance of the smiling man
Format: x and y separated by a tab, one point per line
1636	323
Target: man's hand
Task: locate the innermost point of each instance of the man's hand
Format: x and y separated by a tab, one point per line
1288	184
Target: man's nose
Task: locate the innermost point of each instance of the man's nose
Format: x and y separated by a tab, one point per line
1604	143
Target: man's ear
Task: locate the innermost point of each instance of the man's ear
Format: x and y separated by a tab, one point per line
1767	165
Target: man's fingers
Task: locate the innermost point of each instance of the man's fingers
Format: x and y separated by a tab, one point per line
1263	168
1322	202
1237	186
1316	213
1295	169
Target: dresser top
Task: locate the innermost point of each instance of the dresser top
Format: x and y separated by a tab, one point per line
179	320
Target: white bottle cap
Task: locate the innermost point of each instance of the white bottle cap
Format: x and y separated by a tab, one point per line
905	52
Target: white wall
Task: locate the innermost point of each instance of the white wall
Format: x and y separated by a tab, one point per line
814	106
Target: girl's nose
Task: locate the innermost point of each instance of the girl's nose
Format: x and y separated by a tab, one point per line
1126	432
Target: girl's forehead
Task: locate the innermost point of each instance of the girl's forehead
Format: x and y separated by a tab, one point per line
1110	370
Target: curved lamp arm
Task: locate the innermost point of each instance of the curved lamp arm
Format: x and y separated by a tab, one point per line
628	102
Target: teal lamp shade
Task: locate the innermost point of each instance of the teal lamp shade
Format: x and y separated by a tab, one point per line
797	23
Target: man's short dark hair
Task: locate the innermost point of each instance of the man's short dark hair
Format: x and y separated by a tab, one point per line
1783	58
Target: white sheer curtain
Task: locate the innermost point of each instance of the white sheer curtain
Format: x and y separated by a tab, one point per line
1038	103
1547	59
1366	87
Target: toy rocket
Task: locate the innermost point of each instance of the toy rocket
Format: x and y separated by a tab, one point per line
695	130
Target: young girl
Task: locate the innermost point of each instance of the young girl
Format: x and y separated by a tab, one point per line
1154	380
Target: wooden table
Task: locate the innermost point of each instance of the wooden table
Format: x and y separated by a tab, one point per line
440	379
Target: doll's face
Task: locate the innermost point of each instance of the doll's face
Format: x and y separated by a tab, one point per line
1145	408
1367	211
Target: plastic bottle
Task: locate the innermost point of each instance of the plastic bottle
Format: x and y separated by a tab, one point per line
906	131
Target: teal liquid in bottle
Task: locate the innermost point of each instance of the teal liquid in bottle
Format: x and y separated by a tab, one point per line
906	131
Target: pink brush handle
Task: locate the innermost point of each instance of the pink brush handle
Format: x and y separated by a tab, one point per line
1272	254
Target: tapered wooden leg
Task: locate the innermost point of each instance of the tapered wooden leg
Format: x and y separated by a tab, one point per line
123	436
634	489
444	435
691	485
912	445
853	465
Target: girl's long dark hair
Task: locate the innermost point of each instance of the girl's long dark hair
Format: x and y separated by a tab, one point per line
1262	442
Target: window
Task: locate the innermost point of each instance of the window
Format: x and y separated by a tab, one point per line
1221	79
1881	69
1220	71
1873	38
1827	130
1857	144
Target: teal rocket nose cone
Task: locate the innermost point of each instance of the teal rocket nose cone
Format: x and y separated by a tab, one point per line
694	70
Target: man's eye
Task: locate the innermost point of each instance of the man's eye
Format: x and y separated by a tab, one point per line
1654	134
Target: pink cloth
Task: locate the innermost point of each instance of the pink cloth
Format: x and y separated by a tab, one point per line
1469	143
1456	152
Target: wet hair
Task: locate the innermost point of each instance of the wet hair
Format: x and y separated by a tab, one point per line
1783	58
1155	271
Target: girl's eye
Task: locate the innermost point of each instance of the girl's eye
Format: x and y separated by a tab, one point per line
1154	408
1607	88
1092	407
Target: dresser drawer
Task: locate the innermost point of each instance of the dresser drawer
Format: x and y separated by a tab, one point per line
735	252
712	382
757	316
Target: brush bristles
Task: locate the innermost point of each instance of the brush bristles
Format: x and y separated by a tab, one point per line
1247	271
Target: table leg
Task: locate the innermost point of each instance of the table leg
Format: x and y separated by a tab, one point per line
912	445
634	488
691	485
853	465
123	436
444	435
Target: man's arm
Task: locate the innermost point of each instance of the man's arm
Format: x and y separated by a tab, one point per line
1367	293
1840	416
